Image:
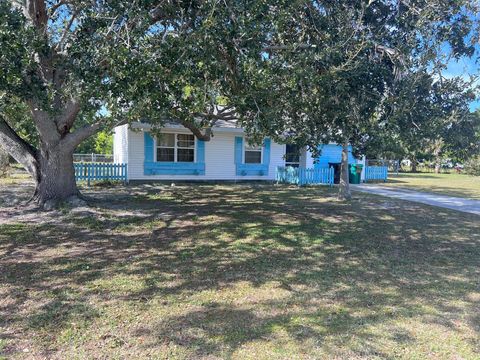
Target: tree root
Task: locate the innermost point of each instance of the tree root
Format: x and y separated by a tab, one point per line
73	201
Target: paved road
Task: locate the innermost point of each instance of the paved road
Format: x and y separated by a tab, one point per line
449	202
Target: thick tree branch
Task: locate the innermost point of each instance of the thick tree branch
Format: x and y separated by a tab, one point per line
206	136
36	11
67	118
18	148
75	138
227	116
71	140
43	122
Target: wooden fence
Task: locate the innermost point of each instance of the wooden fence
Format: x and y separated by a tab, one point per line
100	171
299	176
376	173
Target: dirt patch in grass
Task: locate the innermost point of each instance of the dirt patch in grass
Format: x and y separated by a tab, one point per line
238	271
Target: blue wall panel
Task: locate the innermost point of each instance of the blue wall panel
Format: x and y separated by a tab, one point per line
332	153
238	150
200	151
148	147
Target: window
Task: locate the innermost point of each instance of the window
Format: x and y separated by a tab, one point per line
185	148
166	147
253	154
176	148
292	155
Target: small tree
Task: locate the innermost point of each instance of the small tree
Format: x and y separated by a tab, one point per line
472	166
104	143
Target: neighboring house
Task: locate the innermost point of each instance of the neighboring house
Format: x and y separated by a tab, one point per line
178	155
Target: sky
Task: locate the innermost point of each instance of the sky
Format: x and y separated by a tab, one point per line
465	67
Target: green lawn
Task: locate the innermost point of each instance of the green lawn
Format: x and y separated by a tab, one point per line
446	184
240	272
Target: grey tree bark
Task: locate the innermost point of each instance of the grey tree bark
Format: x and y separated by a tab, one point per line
51	166
413	164
20	150
57	176
344	192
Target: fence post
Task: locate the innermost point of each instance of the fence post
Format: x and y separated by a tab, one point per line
88	174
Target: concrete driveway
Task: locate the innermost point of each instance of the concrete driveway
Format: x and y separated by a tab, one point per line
449	202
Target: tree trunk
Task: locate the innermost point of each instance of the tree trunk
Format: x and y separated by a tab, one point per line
51	167
438	161
57	177
344	189
437	150
413	164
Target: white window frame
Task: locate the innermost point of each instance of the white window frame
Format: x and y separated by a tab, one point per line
175	148
245	143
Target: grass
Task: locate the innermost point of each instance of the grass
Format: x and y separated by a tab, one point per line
240	272
446	184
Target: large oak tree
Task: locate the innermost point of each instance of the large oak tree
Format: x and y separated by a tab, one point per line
348	59
83	66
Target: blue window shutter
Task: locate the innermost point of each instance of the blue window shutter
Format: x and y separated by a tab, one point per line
266	151
200	151
148	147
238	149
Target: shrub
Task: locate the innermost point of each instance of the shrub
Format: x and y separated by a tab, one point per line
472	166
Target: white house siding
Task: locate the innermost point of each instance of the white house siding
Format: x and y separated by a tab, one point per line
120	144
219	159
309	159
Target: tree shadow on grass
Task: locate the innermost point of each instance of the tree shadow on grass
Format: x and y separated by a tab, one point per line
227	267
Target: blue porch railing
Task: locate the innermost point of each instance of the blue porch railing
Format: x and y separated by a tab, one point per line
100	171
376	173
300	176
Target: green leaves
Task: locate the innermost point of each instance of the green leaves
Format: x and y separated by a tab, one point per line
298	71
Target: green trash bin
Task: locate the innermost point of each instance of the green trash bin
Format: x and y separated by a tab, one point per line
355	173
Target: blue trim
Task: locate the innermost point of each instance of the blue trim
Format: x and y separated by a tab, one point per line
150	167
251	169
266	153
174	168
238	150
148	147
200	152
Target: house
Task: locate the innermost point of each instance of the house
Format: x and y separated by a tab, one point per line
177	155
